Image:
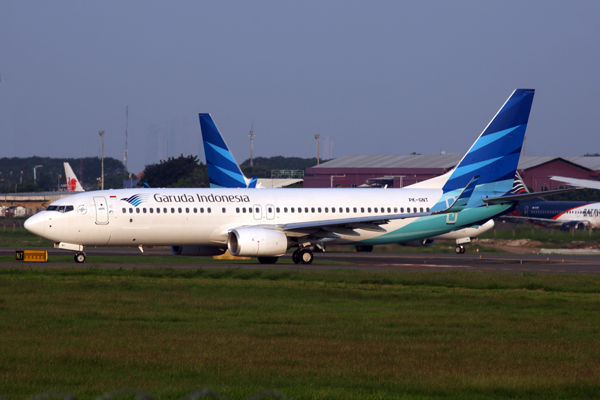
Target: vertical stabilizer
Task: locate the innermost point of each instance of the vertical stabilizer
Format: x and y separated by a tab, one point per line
223	171
73	184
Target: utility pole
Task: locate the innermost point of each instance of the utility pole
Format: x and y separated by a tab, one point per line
251	136
318	147
101	133
34	173
126	139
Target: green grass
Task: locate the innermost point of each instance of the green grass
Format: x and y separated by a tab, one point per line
309	334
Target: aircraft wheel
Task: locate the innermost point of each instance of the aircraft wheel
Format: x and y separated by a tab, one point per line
296	257
79	257
364	249
459	249
306	256
268	260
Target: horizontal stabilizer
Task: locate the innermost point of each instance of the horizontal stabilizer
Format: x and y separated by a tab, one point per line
525	196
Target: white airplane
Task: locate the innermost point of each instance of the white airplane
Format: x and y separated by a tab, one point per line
73	184
224	172
584	183
266	223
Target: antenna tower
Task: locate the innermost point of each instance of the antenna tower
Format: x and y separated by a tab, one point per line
251	136
126	138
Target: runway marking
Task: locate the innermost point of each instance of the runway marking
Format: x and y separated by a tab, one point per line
428	265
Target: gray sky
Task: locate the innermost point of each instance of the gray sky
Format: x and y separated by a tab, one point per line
370	77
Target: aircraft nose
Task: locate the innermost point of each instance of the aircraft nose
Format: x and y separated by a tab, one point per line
36	224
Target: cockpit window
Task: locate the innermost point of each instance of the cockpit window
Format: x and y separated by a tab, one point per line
62	209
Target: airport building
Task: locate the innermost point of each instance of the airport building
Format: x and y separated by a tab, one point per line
404	170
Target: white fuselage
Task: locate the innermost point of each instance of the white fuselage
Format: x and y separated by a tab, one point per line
205	216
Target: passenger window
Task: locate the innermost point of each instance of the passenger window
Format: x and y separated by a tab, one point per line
299	209
354	210
257	210
195	210
224	210
158	210
389	210
285	209
172	210
124	211
131	211
415	210
421	209
208	210
187	210
137	210
375	210
270	210
237	210
401	209
306	209
202	210
244	210
144	209
326	209
395	209
319	209
427	209
165	210
312	209
151	210
362	209
277	210
179	209
332	209
369	209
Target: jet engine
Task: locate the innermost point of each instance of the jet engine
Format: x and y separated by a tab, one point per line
196	251
576	225
256	242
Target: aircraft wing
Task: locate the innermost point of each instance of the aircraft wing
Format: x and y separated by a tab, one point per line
347	226
578	182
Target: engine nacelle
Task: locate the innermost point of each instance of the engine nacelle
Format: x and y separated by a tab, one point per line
419	242
196	251
257	242
576	225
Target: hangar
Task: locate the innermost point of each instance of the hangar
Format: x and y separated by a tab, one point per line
403	170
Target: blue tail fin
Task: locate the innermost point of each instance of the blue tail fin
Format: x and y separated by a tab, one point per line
495	154
223	171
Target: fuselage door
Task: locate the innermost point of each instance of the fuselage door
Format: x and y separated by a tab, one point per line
270	211
101	210
257	210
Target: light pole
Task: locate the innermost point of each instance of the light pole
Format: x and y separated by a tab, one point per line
318	147
101	133
35	173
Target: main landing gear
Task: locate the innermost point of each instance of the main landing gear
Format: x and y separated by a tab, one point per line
303	256
79	257
459	249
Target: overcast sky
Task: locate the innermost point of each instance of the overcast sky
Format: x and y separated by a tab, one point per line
371	77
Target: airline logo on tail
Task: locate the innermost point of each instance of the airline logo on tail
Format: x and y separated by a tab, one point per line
73	184
223	171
